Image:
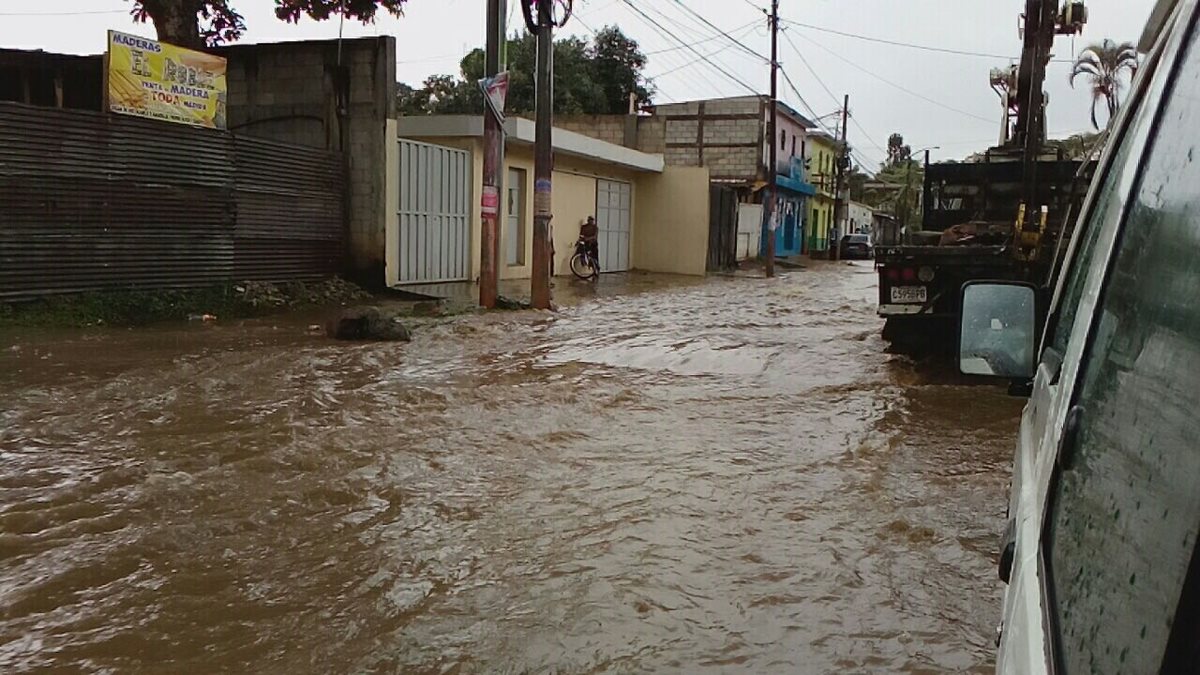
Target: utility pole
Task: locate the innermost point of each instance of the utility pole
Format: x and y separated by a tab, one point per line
840	202
493	163
769	224
543	160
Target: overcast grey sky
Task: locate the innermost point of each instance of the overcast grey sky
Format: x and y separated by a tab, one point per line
932	98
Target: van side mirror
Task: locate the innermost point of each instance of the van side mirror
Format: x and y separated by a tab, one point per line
998	331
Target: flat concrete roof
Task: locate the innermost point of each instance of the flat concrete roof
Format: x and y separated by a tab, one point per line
521	131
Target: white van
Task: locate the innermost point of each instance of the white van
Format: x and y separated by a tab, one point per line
1100	553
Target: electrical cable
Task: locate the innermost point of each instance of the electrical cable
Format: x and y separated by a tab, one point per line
691	63
665	33
704	41
710	24
832	96
899	87
909	45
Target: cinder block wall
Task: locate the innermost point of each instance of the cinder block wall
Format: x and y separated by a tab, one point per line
296	92
724	135
609	128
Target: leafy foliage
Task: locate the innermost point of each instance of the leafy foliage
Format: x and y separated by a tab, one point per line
589	78
897	190
1104	64
191	23
200	23
1077	146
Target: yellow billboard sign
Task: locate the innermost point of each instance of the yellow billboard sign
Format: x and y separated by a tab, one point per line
153	79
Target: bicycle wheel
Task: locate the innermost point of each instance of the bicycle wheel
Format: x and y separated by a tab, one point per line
581	266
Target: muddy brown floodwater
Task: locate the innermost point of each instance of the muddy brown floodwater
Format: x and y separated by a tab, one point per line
717	476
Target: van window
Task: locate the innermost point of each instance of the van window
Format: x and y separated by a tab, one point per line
1124	512
1110	203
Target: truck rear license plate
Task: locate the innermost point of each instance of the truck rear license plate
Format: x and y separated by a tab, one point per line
908	294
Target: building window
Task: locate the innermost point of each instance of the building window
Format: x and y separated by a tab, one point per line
783	139
793	146
514	222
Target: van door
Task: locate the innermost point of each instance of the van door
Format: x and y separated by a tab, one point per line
1023	646
1123	510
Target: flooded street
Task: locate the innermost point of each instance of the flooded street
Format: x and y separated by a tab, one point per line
717	476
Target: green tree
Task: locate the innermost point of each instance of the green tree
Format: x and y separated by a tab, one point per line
589	78
617	65
1076	146
201	23
897	189
856	184
1104	64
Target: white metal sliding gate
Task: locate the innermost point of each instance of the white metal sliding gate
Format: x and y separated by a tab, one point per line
435	214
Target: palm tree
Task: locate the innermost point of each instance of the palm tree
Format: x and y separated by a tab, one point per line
1103	65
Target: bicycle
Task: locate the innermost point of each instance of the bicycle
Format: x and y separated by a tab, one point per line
583	264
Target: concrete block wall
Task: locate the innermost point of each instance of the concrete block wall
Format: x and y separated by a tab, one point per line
608	128
687	108
681	131
651	133
725	131
682	157
290	92
744	105
729	163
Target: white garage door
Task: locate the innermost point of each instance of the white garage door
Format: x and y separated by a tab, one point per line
614	202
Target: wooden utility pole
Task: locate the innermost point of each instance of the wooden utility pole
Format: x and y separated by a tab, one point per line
769	222
493	164
840	203
543	160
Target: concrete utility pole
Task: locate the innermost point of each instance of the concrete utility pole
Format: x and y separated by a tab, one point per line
841	202
493	164
769	223
543	161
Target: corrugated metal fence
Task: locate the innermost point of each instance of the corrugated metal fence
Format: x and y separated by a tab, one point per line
93	202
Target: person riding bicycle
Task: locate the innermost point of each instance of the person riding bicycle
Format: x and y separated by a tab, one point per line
589	233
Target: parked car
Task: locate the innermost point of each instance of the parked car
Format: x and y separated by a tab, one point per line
857	246
1100	553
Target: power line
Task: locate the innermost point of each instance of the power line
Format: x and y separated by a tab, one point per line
688	30
829	91
697	44
577	17
665	33
679	61
897	86
833	97
812	111
865	134
909	45
732	39
691	63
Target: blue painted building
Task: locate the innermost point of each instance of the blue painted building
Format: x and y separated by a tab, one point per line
792	193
